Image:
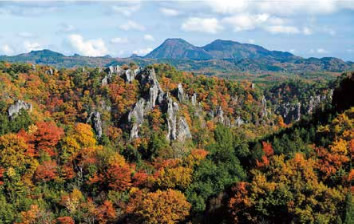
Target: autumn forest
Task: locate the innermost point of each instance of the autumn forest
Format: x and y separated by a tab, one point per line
124	144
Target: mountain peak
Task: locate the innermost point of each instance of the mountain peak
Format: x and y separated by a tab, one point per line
177	48
45	53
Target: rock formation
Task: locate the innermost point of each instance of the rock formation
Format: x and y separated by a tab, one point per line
220	115
96	122
183	130
194	99
180	93
136	117
15	108
172	109
289	112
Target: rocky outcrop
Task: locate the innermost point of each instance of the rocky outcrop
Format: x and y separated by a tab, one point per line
180	93
239	121
177	126
172	109
96	122
114	70
136	117
194	99
130	74
220	115
289	112
183	132
155	94
50	71
15	108
264	111
105	80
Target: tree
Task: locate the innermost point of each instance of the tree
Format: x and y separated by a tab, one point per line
13	151
81	137
43	137
47	171
168	206
106	213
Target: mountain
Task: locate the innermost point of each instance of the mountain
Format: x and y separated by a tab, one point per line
227	49
218	49
177	48
223	58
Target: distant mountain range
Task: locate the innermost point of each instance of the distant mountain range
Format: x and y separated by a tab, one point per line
218	49
220	57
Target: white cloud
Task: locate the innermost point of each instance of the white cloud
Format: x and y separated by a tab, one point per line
292	51
169	12
245	21
282	29
94	47
251	41
66	28
278	7
126	8
6	49
206	25
131	25
143	51
227	6
25	35
119	40
319	51
31	46
307	31
149	37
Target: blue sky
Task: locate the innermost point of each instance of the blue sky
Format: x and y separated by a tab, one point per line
306	28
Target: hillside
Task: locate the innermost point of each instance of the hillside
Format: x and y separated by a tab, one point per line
111	145
222	58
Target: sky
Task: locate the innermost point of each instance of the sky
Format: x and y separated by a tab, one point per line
308	28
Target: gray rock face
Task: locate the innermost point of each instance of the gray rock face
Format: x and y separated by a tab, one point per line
220	115
239	121
95	119
314	102
130	74
172	109
148	77
136	116
290	112
194	99
264	112
105	80
115	70
15	108
183	132
50	71
180	93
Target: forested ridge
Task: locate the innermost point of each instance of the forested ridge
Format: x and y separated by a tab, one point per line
125	144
